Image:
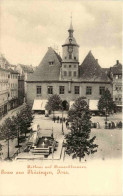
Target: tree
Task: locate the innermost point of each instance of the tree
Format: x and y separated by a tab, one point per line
24	119
54	103
8	132
78	142
106	103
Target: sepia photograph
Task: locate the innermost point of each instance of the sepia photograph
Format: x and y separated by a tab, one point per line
60	98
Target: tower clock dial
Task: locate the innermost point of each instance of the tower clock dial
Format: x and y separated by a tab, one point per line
70	49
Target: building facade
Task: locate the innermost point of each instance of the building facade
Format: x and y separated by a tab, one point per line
4	91
24	71
13	89
21	93
116	76
67	77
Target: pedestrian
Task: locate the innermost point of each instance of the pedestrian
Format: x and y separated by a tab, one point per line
58	119
106	125
113	125
54	119
64	119
110	125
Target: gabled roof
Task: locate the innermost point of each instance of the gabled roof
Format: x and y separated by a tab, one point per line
2	69
13	71
91	70
117	68
27	68
4	61
46	71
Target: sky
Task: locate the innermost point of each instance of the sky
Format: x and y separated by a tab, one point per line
29	27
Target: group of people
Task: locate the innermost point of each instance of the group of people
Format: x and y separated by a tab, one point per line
95	125
113	125
60	120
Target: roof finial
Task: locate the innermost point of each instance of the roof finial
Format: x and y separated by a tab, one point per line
71	26
71	17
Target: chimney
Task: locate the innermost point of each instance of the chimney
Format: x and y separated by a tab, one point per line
97	60
117	62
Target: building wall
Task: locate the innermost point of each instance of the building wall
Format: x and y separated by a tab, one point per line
4	91
117	89
69	90
13	90
21	93
13	81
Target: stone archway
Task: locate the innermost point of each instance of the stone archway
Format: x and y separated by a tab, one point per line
65	105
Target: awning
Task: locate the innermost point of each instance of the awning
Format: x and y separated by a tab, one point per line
71	103
93	104
39	104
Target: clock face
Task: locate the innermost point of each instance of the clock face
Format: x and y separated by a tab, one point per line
70	49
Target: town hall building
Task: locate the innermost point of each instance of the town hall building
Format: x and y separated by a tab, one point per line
67	77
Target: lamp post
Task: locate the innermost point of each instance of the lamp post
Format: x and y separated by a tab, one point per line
62	121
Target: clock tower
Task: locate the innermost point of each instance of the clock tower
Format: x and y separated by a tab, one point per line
70	57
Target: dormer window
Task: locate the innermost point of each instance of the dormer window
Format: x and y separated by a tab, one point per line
51	62
74	58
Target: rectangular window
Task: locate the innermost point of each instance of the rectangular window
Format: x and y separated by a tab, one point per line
120	88
38	90
69	73
50	89
88	90
70	56
76	89
119	98
74	73
65	73
61	89
101	90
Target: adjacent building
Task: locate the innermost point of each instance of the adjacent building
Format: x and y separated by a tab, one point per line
24	71
116	76
67	77
4	91
21	93
13	88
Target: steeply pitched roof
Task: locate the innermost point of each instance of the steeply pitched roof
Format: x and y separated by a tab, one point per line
117	68
91	70
4	61
6	70
27	68
46	71
13	71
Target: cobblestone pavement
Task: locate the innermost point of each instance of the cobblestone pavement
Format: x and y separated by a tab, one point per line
109	140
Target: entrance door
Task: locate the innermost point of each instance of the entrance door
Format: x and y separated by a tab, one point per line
65	105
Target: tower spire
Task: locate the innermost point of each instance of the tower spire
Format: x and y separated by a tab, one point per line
71	26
